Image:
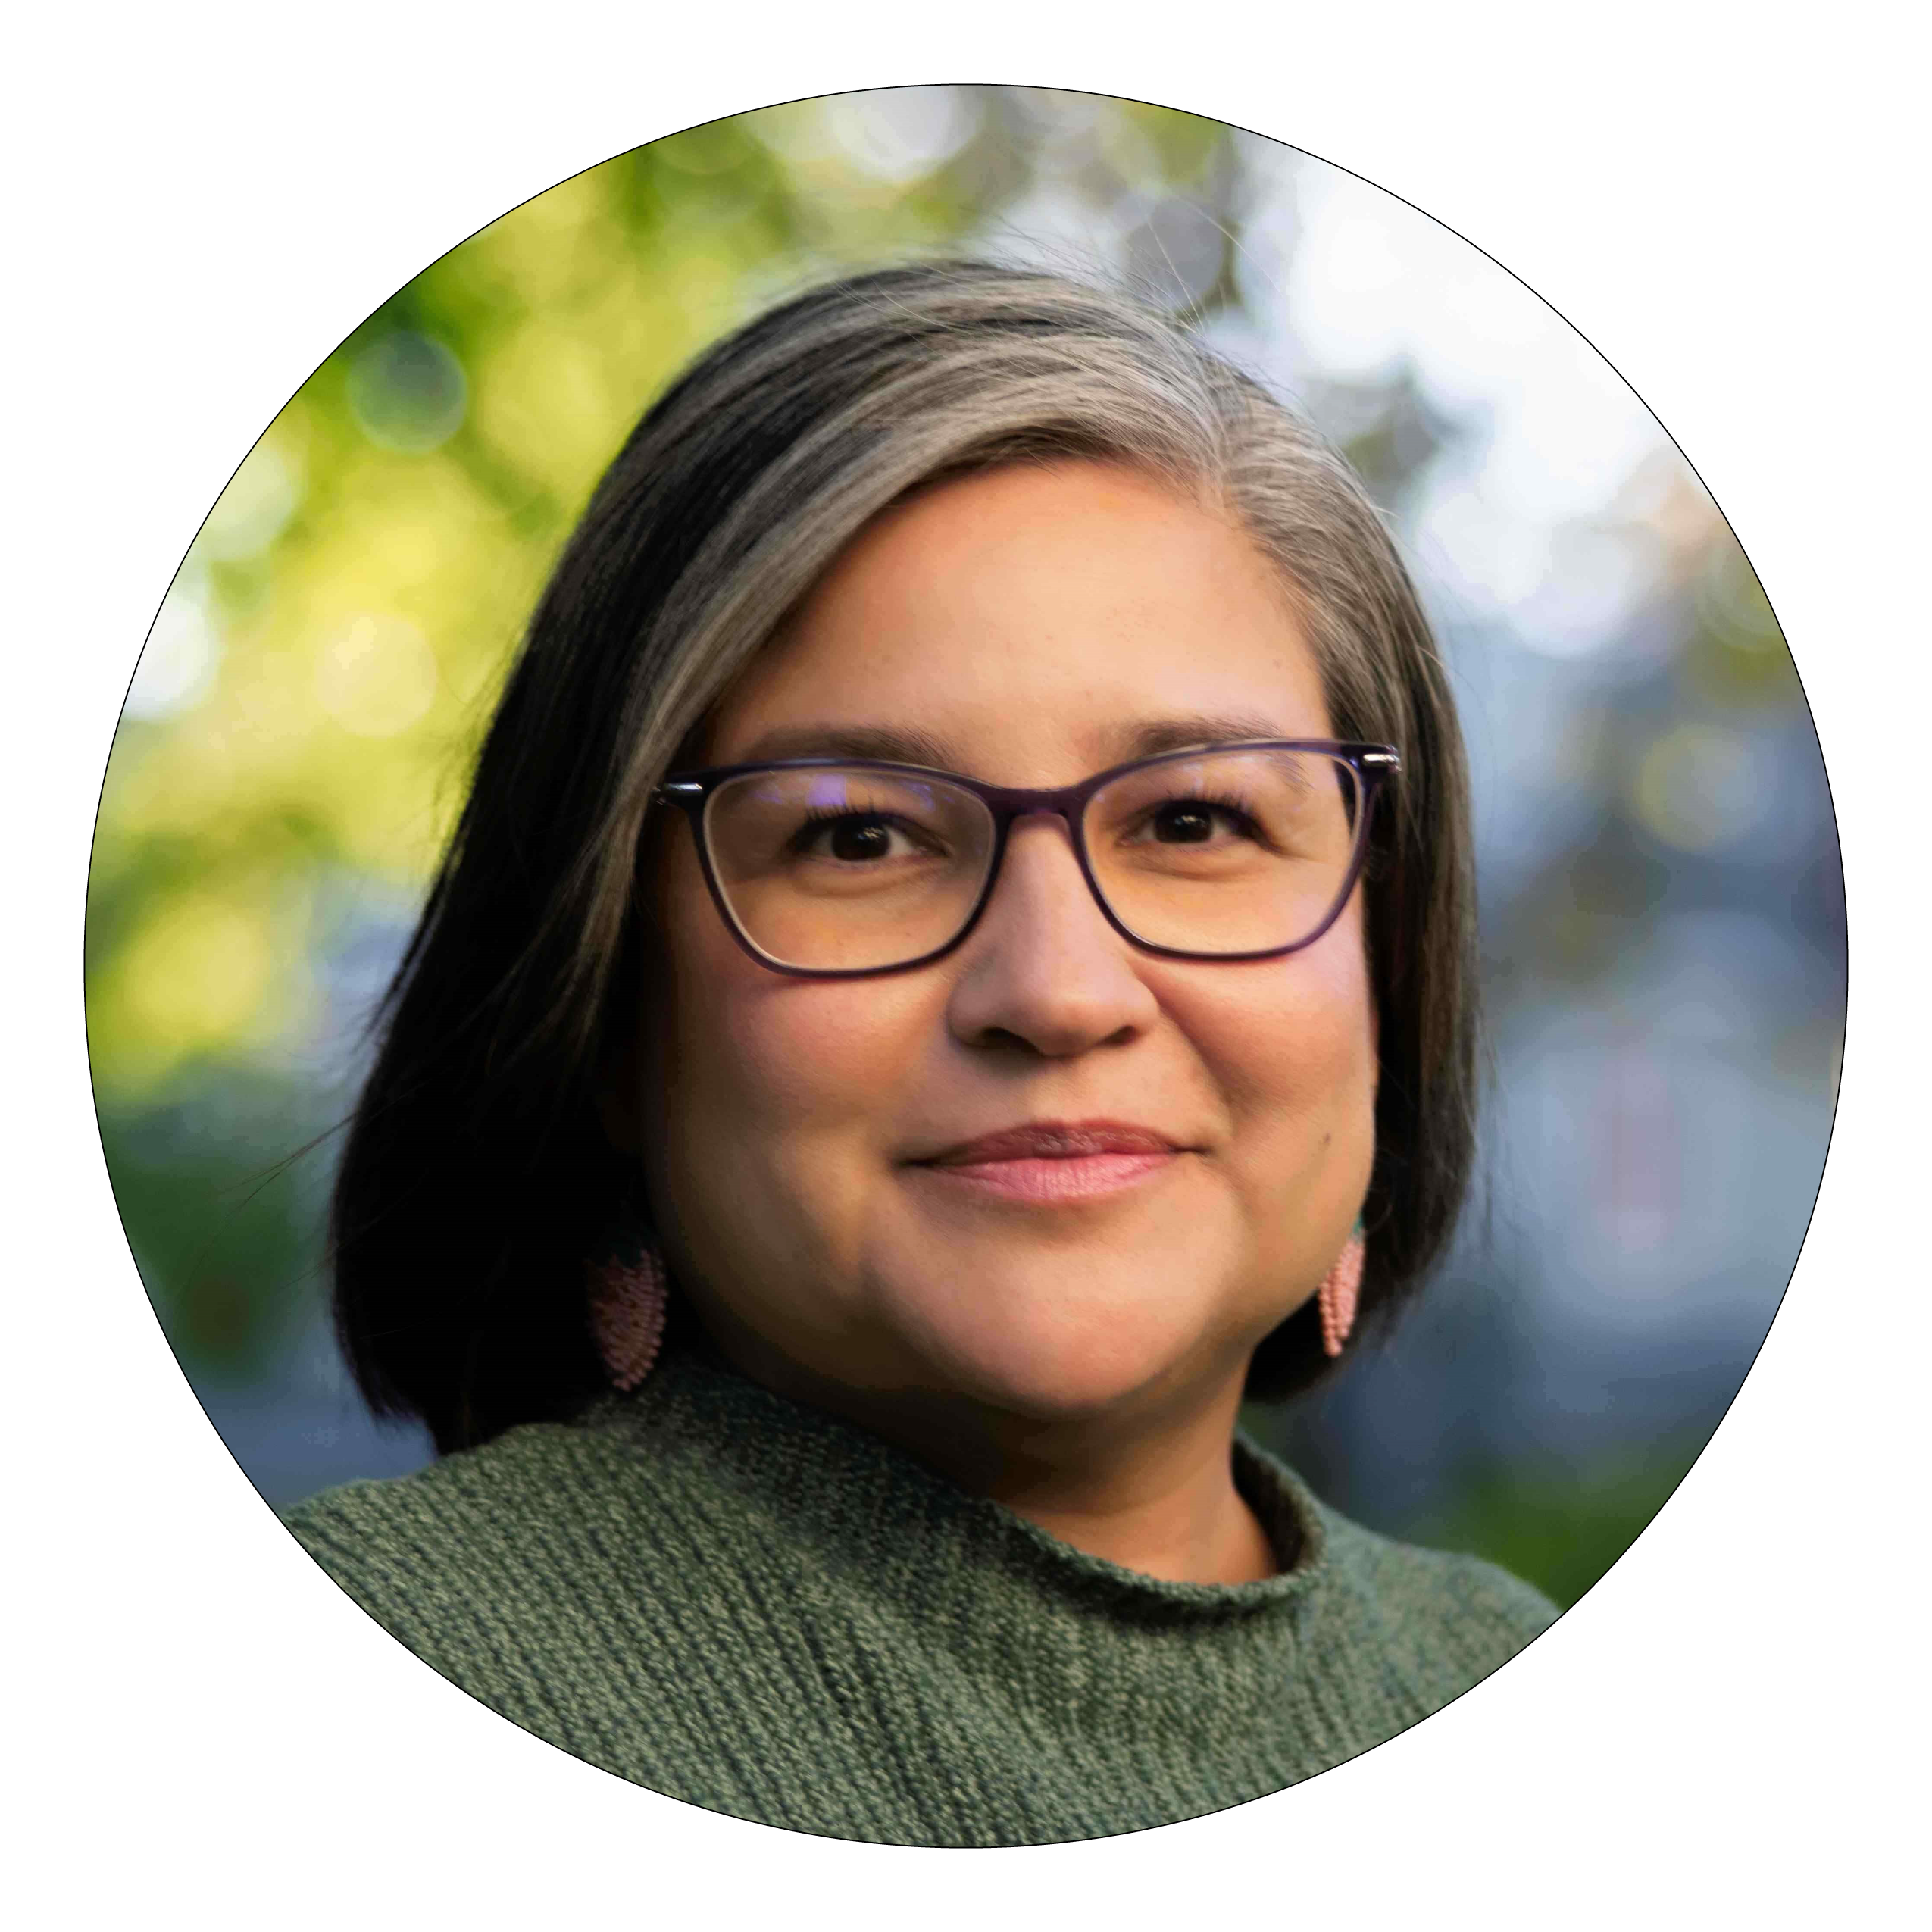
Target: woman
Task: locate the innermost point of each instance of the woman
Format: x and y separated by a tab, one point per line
955	969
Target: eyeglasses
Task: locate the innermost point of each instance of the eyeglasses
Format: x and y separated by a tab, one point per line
829	868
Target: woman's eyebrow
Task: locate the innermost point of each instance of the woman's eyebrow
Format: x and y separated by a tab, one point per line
1150	737
1121	744
894	744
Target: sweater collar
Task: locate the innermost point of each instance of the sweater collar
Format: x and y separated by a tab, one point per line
852	1499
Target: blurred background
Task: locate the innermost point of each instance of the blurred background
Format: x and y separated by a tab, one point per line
1663	922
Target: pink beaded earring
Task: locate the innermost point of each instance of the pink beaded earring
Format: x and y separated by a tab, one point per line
1341	1287
628	1301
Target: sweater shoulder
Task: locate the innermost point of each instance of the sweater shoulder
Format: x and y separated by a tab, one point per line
1438	1615
470	1533
580	1587
454	1491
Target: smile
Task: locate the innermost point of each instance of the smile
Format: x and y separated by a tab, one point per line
1052	1161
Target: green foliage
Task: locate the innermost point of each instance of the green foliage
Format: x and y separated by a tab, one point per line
294	753
347	616
1560	1528
224	1235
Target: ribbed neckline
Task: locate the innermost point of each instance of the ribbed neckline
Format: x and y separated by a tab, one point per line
841	1487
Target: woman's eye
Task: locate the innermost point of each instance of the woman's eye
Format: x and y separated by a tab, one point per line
1191	822
853	841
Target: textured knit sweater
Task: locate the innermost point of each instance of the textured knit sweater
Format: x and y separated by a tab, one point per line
746	1603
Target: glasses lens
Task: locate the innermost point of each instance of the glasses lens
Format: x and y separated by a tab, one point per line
1226	851
847	870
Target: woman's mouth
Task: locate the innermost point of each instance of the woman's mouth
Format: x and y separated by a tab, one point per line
1048	1161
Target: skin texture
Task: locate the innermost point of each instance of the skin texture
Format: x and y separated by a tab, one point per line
1083	1362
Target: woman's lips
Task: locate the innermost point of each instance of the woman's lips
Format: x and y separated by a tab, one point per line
1053	1160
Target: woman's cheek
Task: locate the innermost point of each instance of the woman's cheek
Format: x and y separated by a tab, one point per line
1291	1044
811	1068
1292	1037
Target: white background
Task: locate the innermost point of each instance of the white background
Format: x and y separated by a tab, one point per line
204	201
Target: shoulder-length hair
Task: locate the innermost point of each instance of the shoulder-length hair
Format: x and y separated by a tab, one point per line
476	1175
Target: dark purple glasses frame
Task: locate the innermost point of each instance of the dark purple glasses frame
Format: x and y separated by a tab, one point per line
1372	764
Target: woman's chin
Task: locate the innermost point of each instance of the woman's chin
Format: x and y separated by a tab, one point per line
1064	1356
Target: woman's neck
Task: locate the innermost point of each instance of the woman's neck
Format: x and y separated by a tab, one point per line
1161	1501
1152	1491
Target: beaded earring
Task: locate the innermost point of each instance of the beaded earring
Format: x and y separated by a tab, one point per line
629	1298
1341	1287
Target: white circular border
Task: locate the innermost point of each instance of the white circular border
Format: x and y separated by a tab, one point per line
212	197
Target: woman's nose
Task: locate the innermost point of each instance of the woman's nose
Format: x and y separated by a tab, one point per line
1043	968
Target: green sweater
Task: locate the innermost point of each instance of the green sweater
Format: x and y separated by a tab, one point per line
743	1603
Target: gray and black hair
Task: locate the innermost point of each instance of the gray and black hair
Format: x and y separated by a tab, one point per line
476	1178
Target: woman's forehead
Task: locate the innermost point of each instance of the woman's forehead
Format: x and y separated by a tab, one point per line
1078	613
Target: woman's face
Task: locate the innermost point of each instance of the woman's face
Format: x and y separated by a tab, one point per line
1029	623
